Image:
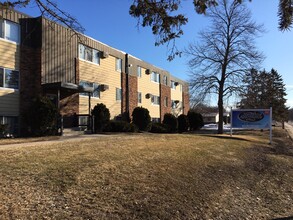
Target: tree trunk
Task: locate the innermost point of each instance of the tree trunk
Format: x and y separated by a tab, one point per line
220	107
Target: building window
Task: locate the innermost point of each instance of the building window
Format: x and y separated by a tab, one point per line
86	84
9	31
155	120
139	71
139	97
165	80
173	86
155	100
118	94
96	56
155	77
11	124
9	78
118	64
173	104
89	54
166	101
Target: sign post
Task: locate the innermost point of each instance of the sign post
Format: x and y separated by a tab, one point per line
252	119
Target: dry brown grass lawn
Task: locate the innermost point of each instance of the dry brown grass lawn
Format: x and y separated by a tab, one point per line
150	176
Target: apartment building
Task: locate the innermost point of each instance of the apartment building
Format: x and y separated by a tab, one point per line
41	57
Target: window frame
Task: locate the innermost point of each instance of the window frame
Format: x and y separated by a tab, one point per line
173	85
155	77
155	100
166	101
139	97
165	80
88	54
3	31
118	64
138	71
4	77
118	94
95	86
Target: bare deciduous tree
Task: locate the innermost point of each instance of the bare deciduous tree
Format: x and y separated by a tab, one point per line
226	51
49	9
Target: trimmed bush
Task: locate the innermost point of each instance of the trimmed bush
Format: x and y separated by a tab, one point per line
101	117
3	130
170	121
195	120
158	128
120	126
41	117
183	123
141	118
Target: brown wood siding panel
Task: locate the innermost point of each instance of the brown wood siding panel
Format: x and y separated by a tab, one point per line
12	15
59	53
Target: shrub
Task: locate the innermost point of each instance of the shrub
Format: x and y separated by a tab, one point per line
41	117
195	120
120	126
101	117
3	130
183	123
170	121
158	128
141	118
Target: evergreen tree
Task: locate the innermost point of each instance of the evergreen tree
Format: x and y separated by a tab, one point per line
264	90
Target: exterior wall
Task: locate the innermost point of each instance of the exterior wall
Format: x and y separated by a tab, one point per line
145	86
133	99
59	50
186	103
12	15
30	79
176	94
48	53
9	98
10	54
104	73
165	92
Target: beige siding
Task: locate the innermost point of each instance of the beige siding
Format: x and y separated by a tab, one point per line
9	100
176	94
10	54
145	85
104	73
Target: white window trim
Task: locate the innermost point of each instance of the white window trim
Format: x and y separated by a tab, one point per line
92	97
140	72
118	100
118	70
173	83
155	104
87	61
4	31
10	89
153	80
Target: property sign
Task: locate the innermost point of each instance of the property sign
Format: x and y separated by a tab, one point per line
251	118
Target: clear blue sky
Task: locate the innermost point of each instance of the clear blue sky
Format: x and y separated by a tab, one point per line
109	22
